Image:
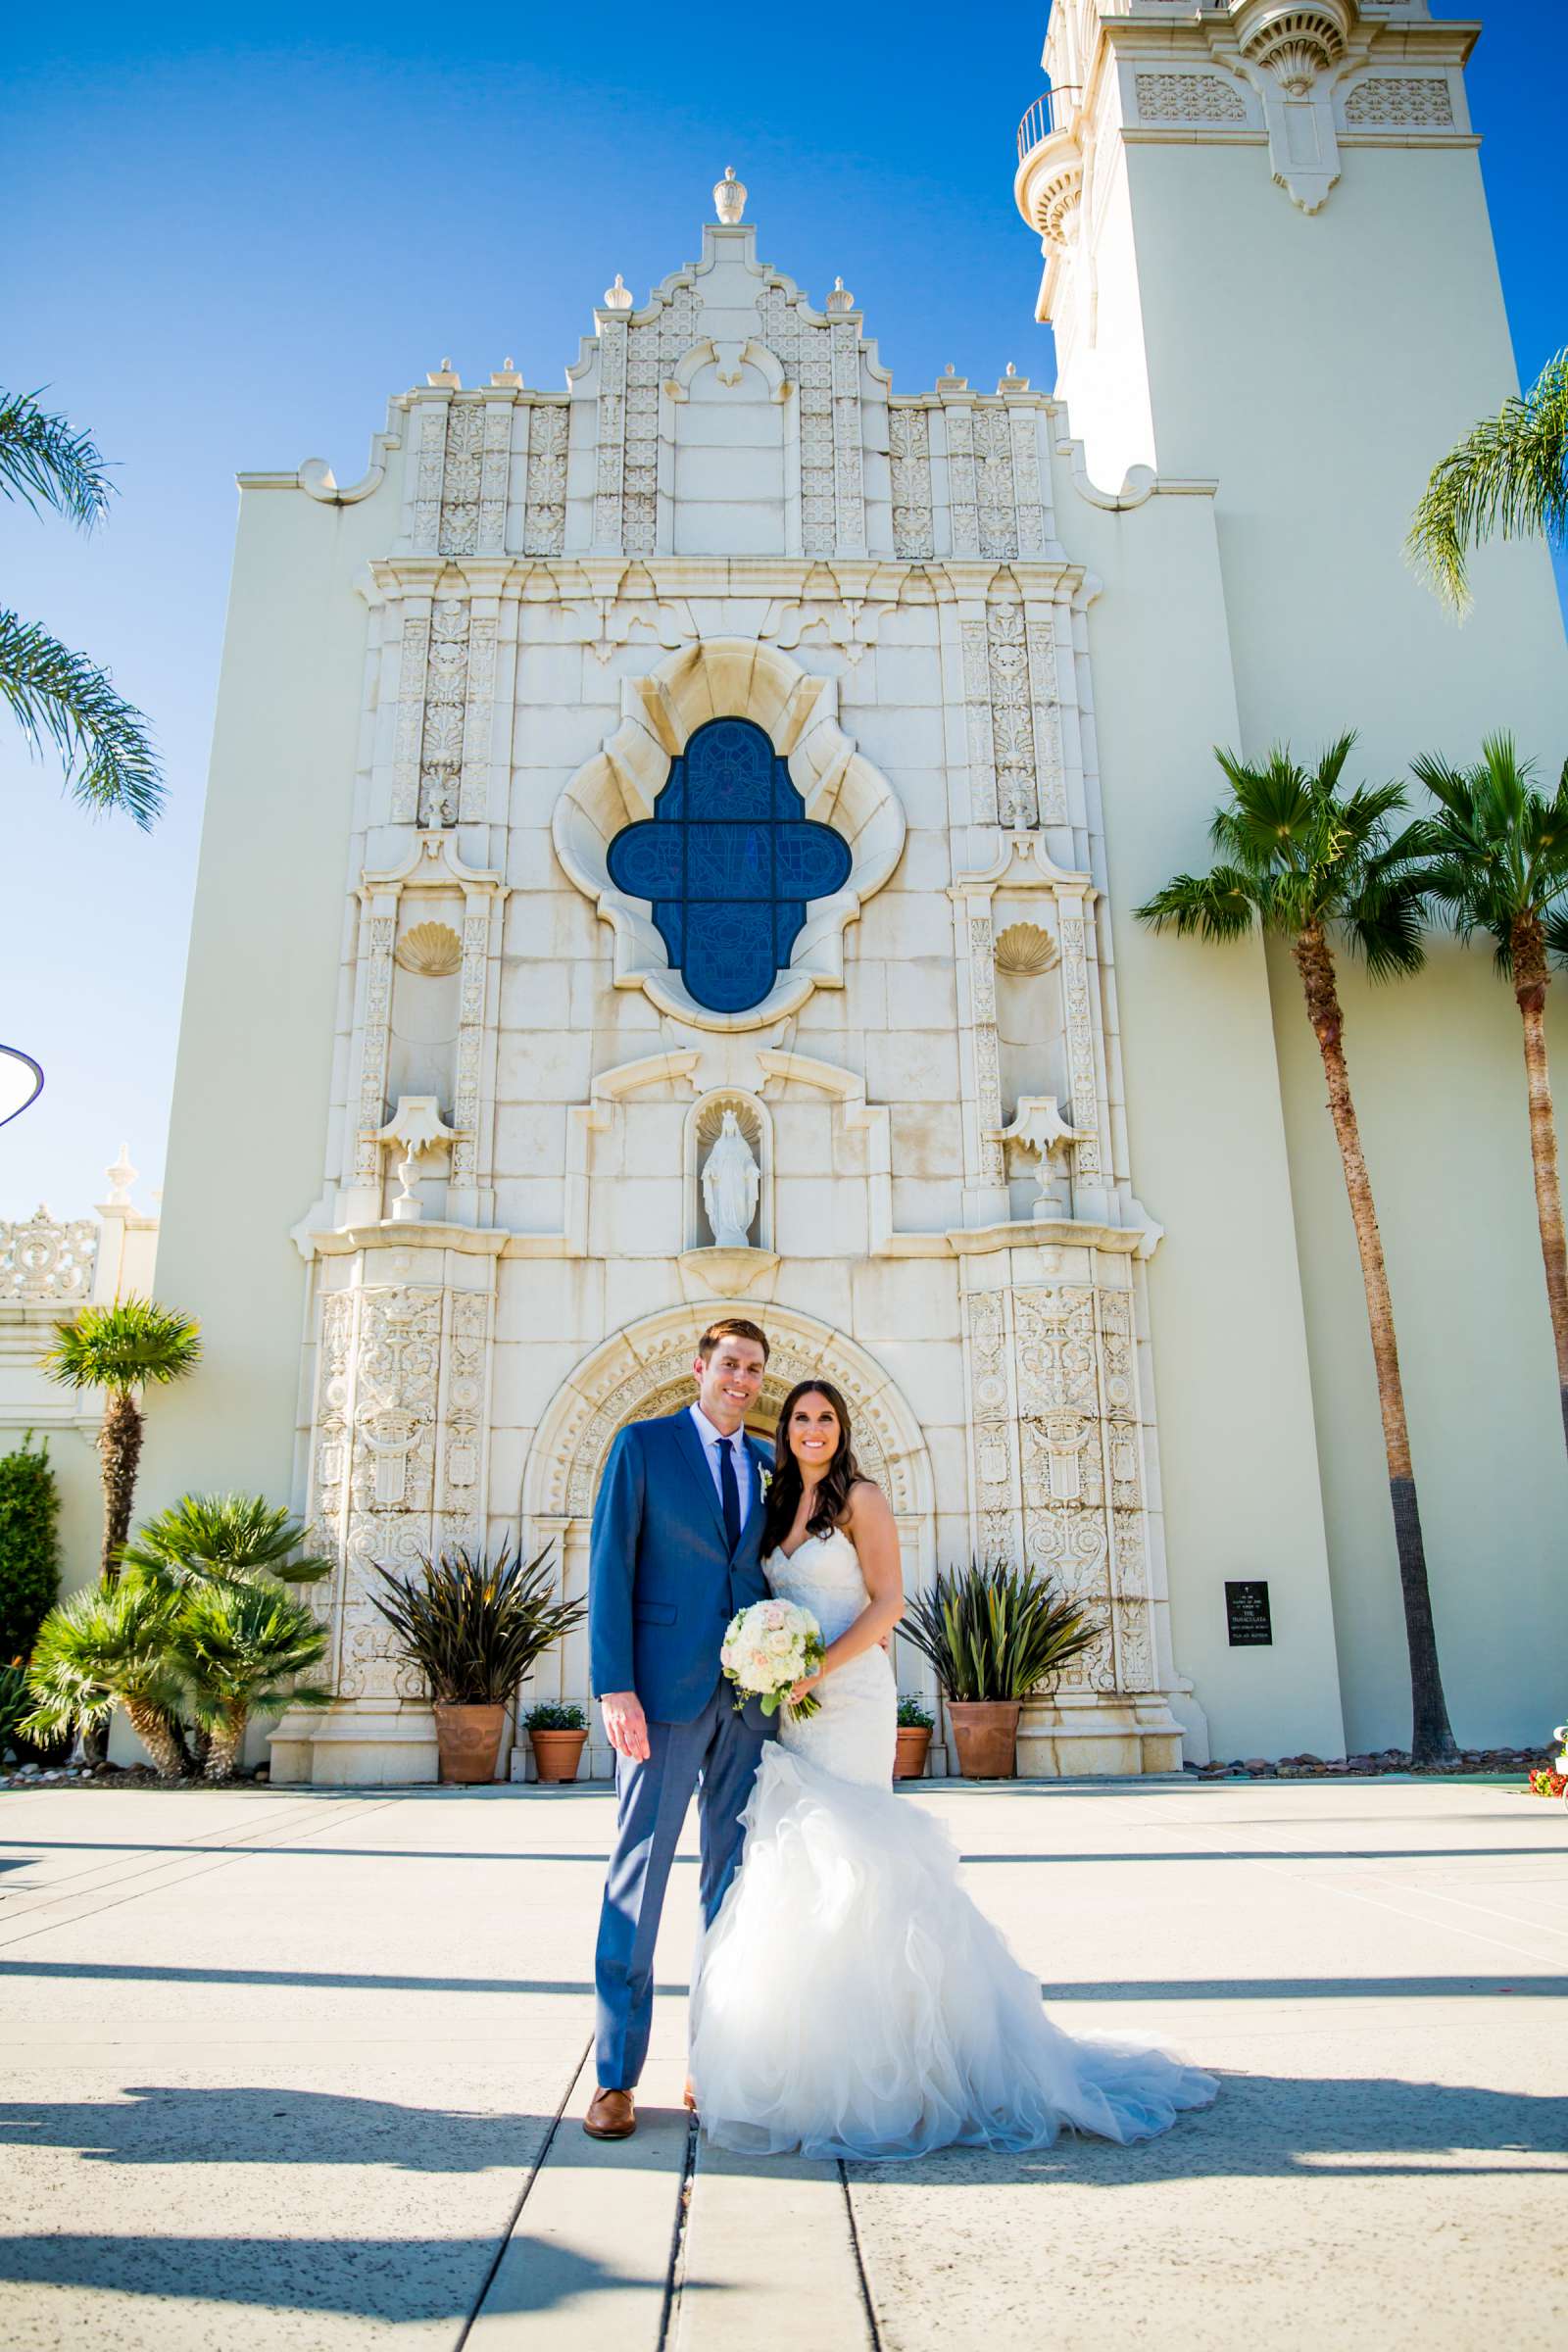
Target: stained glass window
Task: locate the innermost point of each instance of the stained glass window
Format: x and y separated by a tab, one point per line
730	860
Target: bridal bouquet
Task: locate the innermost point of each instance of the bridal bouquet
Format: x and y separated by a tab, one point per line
769	1648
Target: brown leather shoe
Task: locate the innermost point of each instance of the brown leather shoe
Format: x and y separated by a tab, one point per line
611	2116
688	2098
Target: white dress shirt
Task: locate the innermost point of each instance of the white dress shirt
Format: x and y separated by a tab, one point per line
712	1438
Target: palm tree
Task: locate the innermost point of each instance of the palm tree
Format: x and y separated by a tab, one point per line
1510	473
55	694
122	1348
1300	859
240	1538
106	1647
238	1647
1498	861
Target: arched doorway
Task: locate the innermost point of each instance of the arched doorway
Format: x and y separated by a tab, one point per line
645	1370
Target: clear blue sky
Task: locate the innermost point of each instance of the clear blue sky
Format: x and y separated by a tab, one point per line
226	254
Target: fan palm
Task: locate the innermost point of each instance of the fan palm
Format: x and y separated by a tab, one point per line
106	1647
240	1538
1510	473
122	1348
1498	861
1302	859
238	1647
57	695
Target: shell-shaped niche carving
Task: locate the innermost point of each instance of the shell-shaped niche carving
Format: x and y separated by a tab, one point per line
432	949
1024	951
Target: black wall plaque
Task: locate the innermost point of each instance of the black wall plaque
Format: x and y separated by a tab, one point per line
1246	1614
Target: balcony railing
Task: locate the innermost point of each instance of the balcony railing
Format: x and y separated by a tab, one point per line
1050	112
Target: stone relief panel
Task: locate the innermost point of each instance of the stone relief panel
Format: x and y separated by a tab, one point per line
821	363
1188	98
1054	1373
401	1412
1403	102
1014	733
993	479
41	1259
910	438
446	699
544	528
477	465
653	351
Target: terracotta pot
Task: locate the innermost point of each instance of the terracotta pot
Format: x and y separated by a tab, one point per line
985	1731
468	1740
909	1757
556	1754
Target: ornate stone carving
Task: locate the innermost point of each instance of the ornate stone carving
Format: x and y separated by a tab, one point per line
1076	1004
400	1416
822	362
910	442
446	690
545	514
44	1258
377	932
470	1043
1189	98
1406	102
986	1048
731	1184
430	464
1016	776
991	1425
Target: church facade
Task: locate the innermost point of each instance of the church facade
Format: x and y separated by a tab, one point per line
672	846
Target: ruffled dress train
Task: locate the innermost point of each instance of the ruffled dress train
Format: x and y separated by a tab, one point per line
851	1999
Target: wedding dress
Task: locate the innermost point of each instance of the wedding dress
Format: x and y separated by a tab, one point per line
850	1999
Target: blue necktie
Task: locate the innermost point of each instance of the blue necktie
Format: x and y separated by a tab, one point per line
729	1491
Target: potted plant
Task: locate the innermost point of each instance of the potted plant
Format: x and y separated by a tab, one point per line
994	1635
557	1734
473	1626
916	1726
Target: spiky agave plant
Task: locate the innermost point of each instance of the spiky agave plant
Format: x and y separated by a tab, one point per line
994	1631
107	1647
238	1648
241	1536
472	1625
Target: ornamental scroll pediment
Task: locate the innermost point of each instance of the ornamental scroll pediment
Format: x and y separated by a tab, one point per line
842	820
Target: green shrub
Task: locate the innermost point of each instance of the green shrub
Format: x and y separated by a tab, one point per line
548	1717
994	1631
29	1547
914	1713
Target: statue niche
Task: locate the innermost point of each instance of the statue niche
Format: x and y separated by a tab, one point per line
729	1173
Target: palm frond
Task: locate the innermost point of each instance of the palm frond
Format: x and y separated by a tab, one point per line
1221	905
43	462
59	696
234	1642
122	1347
237	1537
1495	852
103	1646
1508	474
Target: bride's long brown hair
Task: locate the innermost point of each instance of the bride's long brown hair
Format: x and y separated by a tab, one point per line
831	1499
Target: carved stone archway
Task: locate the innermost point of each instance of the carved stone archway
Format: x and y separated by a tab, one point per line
646	1369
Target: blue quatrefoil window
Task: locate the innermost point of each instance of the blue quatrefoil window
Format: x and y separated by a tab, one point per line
730	860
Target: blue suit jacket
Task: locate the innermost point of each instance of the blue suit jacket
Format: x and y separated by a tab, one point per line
662	1584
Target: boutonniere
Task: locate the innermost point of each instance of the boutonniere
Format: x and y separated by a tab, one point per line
767	1477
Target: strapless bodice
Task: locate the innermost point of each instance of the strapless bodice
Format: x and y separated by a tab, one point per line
823	1575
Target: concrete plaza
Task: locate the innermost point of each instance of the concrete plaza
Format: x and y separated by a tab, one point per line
303	2069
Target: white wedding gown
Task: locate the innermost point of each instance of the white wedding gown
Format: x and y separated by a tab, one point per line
850	1999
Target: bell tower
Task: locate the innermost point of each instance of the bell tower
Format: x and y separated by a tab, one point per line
1269	270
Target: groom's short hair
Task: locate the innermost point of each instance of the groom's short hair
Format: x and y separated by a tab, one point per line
731	1326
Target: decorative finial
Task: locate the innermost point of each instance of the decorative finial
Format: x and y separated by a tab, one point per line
729	197
839	300
1012	381
122	1176
616	297
445	377
950	381
506	377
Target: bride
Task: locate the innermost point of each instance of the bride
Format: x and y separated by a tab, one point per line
850	2000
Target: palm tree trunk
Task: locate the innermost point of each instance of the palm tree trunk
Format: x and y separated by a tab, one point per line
119	1451
1530	977
151	1726
229	1735
1432	1736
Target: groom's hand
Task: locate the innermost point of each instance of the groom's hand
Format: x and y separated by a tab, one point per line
625	1724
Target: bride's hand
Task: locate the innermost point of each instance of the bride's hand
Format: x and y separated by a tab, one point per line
799	1689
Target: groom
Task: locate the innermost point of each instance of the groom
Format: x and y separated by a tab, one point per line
676	1552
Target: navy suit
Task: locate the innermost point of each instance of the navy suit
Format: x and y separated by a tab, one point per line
662	1586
